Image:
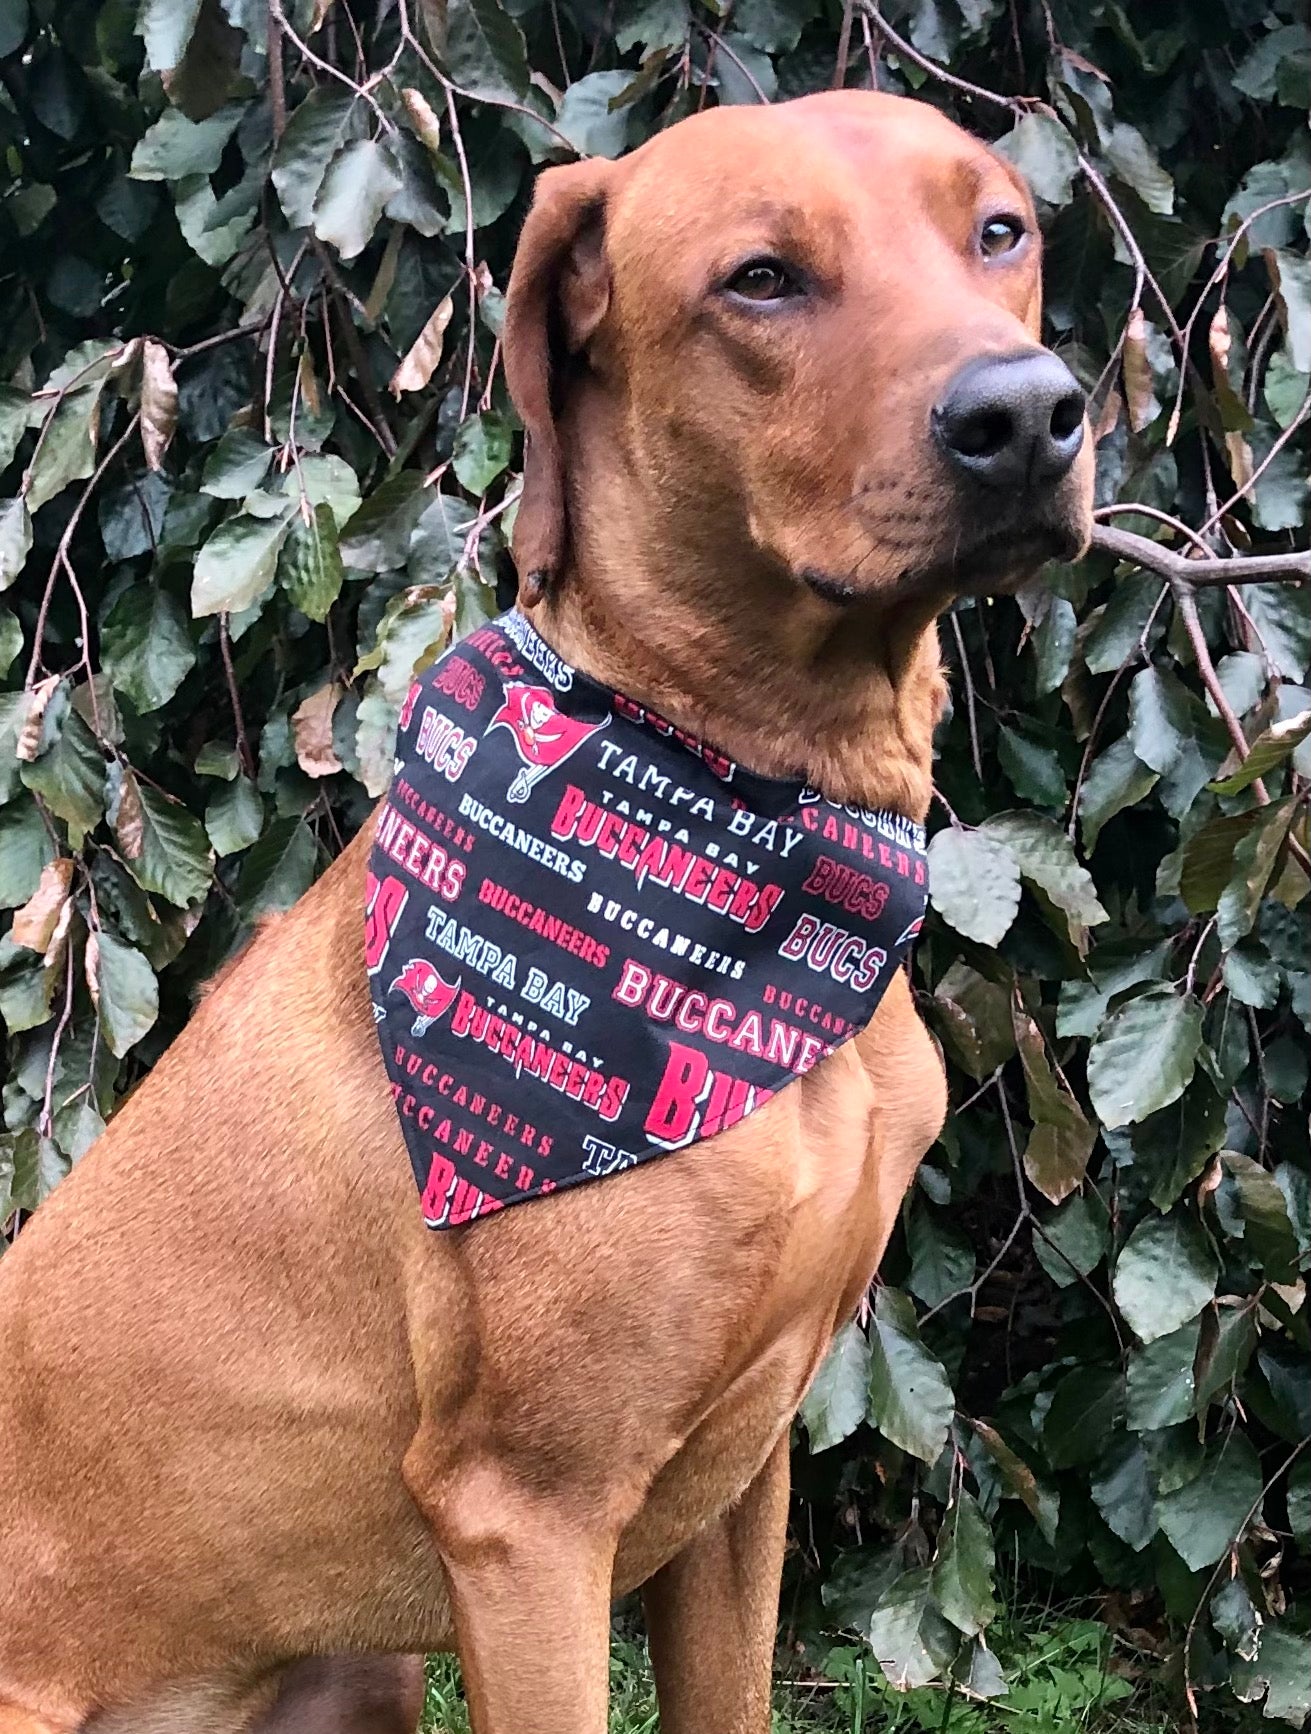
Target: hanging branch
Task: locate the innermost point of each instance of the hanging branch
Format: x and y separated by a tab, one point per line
1289	568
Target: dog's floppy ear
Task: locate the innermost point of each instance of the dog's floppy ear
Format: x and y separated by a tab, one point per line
559	292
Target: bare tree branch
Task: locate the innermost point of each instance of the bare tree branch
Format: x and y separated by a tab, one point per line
1202	574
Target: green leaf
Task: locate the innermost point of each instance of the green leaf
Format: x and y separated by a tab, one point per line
124	988
166	26
910	1638
963	1566
974	883
310	566
942	1259
1047	860
25	847
14	19
314	133
411	634
15	408
11	641
1116	779
1164	1276
237	464
70	777
773	25
145	646
1299	1502
277	870
356	187
1282	1670
1160	718
1205	1517
485	52
588	121
1072	1241
377	537
319	480
1171	1147
1268	1233
1270	748
1038	1498
1086	1406
1159	1381
1292	275
1045	154
1112	635
238	563
1251	976
68	451
1034	769
163	846
15	539
910	1397
1133	160
1121	1488
34	1166
176	147
974	1017
1254	862
234	817
834	1406
1208	858
1281	615
1228	1339
482	450
1143	1056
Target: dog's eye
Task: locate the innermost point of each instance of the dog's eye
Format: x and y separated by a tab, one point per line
763	280
1000	235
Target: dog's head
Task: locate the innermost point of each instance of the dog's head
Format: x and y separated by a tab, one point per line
811	332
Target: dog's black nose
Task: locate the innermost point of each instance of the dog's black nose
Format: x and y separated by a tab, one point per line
1012	421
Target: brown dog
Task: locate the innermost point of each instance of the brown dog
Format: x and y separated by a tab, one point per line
785	400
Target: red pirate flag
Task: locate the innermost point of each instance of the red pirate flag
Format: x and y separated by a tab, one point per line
543	736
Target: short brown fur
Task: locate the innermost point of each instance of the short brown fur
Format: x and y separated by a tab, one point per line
254	1413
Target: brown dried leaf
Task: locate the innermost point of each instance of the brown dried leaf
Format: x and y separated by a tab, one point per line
318	18
1240	461
425	352
159	402
35	923
130	818
1219	341
57	944
1138	392
423	118
91	964
38	702
1110	415
308	383
311	727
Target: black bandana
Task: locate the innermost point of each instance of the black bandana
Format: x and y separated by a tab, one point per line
591	939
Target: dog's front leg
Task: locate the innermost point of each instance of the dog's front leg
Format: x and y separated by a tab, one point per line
712	1612
530	1578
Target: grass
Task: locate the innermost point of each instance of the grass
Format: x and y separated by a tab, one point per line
1065	1676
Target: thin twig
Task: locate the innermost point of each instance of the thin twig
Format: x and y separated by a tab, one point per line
238	720
277	80
1186	603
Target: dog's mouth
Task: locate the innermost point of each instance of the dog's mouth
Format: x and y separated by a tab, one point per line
999	560
995	562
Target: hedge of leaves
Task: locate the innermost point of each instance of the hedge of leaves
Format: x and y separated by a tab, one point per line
257	464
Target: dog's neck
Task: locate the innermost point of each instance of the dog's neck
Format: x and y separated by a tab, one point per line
675	611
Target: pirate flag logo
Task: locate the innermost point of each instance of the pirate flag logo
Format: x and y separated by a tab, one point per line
543	737
428	994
